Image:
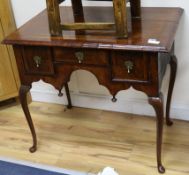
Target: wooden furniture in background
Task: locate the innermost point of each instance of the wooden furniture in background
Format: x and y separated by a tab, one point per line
9	79
120	16
118	64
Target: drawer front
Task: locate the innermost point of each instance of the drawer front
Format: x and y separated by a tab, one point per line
81	56
130	66
38	60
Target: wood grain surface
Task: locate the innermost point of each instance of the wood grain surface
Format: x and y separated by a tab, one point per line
158	23
88	140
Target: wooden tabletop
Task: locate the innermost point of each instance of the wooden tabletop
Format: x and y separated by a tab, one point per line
156	23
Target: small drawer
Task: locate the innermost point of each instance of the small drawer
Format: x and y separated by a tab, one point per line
81	56
129	66
38	60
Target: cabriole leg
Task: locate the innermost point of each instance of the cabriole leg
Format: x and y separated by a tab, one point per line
157	103
173	66
23	100
68	96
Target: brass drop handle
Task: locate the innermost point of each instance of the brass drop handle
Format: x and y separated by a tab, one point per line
37	60
80	56
129	65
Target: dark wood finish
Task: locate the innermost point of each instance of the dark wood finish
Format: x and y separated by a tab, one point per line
90	56
157	103
153	23
44	67
77	8
102	72
68	96
60	1
139	71
23	100
103	54
135	8
173	65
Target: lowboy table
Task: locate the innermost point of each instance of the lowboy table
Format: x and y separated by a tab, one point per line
117	63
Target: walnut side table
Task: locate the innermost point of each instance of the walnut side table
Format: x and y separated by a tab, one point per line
117	63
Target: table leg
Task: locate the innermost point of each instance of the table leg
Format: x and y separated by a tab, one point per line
173	65
68	96
157	103
23	100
